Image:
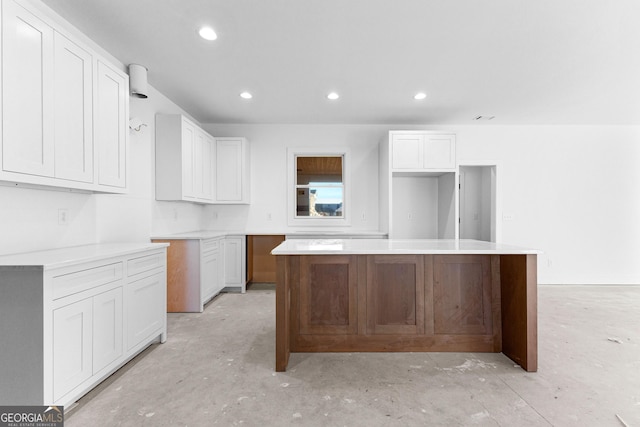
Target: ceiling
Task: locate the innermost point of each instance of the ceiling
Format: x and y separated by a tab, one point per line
523	61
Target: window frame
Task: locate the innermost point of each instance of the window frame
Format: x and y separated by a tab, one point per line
292	187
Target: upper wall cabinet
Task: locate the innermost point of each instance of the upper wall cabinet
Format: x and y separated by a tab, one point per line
419	151
232	171
64	110
184	160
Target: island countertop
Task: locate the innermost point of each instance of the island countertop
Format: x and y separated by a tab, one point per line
395	246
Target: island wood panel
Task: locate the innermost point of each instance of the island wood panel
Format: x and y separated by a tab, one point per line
519	304
183	275
286	267
261	265
395	294
462	294
327	295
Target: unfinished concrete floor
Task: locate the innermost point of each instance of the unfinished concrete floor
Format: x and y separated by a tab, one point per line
217	368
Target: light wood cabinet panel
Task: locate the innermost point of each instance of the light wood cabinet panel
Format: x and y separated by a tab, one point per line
27	92
73	111
395	294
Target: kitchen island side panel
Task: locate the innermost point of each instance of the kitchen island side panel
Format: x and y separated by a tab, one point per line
21	348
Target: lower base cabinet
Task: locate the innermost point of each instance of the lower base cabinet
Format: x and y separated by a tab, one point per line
73	323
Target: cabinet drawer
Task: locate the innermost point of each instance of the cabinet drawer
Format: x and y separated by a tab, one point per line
145	263
209	245
79	281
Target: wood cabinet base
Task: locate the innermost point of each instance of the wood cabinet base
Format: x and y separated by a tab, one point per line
380	303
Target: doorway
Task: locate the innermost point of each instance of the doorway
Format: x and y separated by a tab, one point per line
478	202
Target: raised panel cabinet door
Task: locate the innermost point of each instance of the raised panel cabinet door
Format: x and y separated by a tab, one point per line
233	257
107	328
27	92
395	294
328	295
188	160
407	151
462	294
440	152
146	308
72	346
210	274
110	131
229	170
73	111
208	150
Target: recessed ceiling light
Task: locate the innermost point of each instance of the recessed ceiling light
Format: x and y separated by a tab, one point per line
207	33
333	96
420	95
246	95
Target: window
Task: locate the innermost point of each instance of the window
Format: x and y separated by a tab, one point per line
319	191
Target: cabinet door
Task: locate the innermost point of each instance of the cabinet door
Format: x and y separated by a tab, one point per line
229	170
234	261
440	152
107	328
395	294
407	151
188	160
73	108
27	92
462	294
110	115
210	274
202	161
146	308
72	348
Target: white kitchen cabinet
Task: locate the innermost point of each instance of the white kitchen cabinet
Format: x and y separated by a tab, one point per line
418	191
75	315
64	109
211	268
232	171
184	160
111	114
73	101
422	151
27	93
235	263
72	349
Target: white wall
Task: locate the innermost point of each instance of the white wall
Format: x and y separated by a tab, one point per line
572	192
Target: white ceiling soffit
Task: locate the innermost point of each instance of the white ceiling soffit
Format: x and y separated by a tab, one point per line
522	61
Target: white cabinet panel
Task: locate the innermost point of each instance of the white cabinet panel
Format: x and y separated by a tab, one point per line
210	277
407	151
235	262
423	151
188	163
146	308
111	117
107	328
27	92
73	111
72	347
440	152
232	171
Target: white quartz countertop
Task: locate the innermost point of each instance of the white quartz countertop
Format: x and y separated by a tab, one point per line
210	234
196	235
55	258
394	246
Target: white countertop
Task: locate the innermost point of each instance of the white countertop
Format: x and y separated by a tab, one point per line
210	234
394	246
196	235
55	258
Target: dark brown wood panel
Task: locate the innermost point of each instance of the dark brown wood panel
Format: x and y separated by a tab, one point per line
462	294
283	311
328	295
395	294
519	303
261	265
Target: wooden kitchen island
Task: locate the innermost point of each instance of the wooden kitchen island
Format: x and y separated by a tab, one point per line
379	295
